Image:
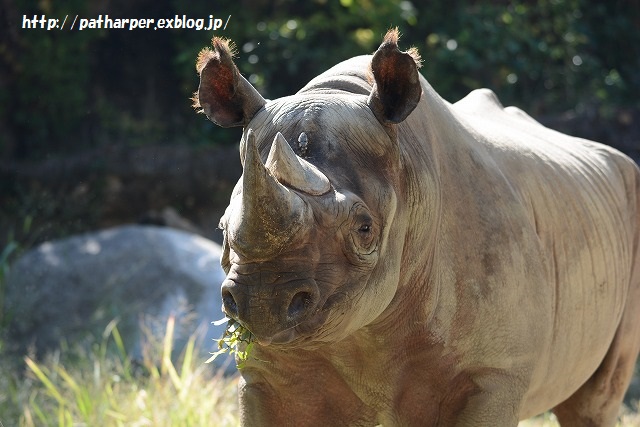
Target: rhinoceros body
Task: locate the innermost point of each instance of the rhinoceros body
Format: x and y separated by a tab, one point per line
408	262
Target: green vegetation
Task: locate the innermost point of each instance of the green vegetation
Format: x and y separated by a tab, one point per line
8	253
106	387
236	340
627	418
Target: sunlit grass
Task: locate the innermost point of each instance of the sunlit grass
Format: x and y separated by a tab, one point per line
107	389
629	417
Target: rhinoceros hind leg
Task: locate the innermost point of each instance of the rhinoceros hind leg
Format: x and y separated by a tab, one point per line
597	402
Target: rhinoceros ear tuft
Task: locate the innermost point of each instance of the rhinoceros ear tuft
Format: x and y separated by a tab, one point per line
226	97
396	89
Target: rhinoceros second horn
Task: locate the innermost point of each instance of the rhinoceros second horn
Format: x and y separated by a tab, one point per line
292	170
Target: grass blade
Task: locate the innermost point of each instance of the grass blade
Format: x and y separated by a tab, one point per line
117	338
82	398
38	411
187	361
44	379
167	366
167	346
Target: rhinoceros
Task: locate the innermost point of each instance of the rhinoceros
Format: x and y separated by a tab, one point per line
403	261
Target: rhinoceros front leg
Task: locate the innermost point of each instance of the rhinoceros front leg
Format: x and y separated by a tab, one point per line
487	398
262	405
488	409
598	401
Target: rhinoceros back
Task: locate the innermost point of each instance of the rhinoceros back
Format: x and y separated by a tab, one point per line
582	200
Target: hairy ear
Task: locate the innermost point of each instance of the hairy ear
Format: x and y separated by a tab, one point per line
226	97
396	89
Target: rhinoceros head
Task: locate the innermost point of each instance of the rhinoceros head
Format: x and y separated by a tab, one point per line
311	247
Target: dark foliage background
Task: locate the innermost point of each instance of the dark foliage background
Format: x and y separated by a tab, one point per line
71	102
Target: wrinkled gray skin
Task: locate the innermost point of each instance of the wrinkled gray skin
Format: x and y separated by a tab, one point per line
407	262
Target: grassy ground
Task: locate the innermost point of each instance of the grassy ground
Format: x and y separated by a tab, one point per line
627	418
103	387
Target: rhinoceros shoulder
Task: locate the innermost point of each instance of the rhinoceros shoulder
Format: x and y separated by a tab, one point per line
484	102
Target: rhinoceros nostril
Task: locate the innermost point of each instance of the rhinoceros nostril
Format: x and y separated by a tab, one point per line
299	304
229	302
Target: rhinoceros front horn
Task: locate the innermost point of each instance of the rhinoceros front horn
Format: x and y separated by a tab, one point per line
270	214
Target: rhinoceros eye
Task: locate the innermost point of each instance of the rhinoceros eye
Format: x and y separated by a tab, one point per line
361	232
363	222
365	228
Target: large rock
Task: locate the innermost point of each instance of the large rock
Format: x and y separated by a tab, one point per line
70	288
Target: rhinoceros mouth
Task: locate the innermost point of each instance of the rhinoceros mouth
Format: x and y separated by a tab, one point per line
297	335
318	329
314	330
